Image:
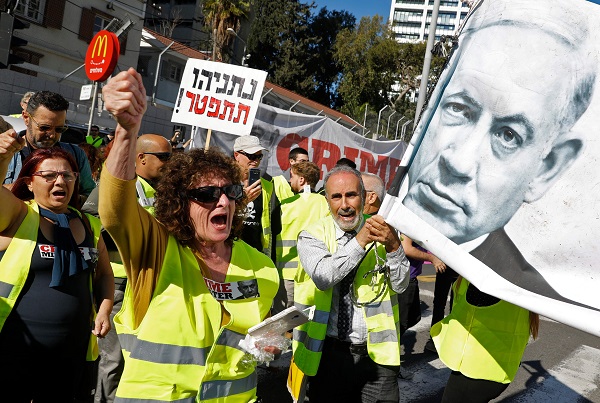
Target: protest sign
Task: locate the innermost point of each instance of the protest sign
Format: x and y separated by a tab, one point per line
219	96
326	141
502	171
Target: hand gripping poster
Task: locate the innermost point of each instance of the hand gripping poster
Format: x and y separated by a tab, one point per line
501	179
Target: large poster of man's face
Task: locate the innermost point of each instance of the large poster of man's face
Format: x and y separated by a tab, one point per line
503	163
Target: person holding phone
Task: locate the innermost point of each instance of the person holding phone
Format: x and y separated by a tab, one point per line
261	198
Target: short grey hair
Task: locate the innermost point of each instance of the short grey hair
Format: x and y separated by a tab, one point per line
344	168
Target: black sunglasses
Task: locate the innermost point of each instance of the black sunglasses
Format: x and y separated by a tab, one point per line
210	194
251	157
46	128
161	156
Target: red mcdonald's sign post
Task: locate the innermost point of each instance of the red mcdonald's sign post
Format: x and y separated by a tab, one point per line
102	55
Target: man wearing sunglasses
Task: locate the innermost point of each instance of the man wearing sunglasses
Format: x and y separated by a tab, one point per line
257	231
45	118
153	150
94	138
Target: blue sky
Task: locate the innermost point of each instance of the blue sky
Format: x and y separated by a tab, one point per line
359	8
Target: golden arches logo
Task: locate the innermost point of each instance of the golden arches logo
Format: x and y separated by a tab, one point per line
101	41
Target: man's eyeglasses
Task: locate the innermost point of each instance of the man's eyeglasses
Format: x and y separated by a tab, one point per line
210	194
52	176
251	157
161	156
47	128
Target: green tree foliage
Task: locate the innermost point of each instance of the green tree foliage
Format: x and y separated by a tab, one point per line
369	60
329	58
280	43
326	25
411	60
220	15
295	47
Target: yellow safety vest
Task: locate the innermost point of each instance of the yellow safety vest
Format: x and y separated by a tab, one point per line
297	213
482	342
381	316
265	219
283	190
180	352
145	194
97	142
14	267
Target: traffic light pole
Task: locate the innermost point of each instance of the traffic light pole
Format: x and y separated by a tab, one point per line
94	96
8	41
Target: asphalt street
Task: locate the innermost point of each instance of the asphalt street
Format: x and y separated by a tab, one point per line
561	366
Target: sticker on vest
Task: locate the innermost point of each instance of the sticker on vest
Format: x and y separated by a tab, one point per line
89	254
234	290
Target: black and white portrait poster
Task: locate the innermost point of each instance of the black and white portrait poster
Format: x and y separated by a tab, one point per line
501	177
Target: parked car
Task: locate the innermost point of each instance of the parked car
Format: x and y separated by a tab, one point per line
77	132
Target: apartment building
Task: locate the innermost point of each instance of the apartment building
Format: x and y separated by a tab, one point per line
410	19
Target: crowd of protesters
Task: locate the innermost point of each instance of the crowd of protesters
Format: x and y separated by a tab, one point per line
170	257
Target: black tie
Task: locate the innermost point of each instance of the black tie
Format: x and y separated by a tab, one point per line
345	301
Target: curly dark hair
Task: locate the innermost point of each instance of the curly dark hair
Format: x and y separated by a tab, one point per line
182	172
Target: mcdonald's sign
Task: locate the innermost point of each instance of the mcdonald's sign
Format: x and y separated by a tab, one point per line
102	55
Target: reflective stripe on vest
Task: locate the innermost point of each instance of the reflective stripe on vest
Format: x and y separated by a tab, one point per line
381	316
145	193
297	213
162	353
130	400
14	267
180	344
265	219
217	388
482	342
5	289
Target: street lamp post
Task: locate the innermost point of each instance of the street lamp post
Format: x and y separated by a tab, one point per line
231	31
427	61
376	134
397	123
404	129
365	120
387	131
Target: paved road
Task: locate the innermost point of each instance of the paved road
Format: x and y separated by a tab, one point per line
561	366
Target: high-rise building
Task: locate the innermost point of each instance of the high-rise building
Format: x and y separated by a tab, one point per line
410	19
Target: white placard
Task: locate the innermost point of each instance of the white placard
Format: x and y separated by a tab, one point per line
219	96
86	92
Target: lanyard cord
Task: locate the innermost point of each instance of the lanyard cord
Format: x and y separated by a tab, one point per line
380	267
